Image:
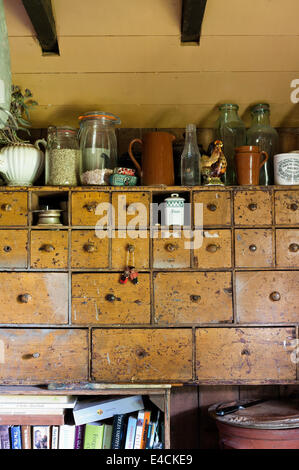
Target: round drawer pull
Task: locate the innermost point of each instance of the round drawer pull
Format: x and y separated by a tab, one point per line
253	248
252	206
141	352
275	296
90	207
6	207
36	355
7	248
47	248
245	352
212	207
112	298
294	247
24	298
212	248
294	207
131	248
195	298
170	247
89	248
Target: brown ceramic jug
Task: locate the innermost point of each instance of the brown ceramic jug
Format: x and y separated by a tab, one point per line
157	158
248	164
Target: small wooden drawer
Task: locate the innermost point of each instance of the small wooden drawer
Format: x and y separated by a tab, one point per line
131	210
49	249
216	209
253	208
171	249
287	248
13	248
267	296
100	298
215	251
13	208
142	355
254	248
130	249
90	208
88	250
35	356
248	355
39	298
287	207
193	297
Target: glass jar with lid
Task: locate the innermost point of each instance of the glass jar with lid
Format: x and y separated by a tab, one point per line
62	157
98	145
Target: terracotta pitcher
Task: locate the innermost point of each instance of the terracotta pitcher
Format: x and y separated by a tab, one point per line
248	164
157	158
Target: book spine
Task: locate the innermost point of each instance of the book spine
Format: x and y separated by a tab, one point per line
26	436
55	437
107	438
16	440
147	417
79	436
4	437
117	433
149	433
139	427
131	430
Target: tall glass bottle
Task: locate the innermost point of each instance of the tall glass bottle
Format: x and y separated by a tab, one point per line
190	159
231	130
265	137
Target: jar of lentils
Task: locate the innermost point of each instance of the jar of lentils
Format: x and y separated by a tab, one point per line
62	157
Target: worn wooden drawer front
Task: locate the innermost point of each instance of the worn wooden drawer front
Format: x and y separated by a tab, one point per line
216	208
193	297
131	210
253	208
13	208
88	250
254	248
142	355
100	298
267	296
216	250
287	207
43	355
87	209
37	298
245	354
287	248
49	249
130	248
171	249
13	248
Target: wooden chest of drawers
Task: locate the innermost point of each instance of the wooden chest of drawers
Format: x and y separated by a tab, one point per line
216	302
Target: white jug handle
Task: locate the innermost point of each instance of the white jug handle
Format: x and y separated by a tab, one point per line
43	142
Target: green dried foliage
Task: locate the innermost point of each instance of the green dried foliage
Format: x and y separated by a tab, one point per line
20	105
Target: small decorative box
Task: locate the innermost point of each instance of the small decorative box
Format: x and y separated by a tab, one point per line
124	171
122	180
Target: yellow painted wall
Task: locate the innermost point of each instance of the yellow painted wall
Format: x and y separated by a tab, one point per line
125	57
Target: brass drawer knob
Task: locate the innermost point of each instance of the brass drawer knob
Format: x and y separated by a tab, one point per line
252	206
112	298
7	249
294	247
170	247
47	248
141	353
131	248
89	248
253	248
212	207
24	298
294	207
36	355
212	248
275	296
6	207
30	356
195	298
90	207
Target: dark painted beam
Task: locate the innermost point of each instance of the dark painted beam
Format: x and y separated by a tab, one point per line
192	16
41	15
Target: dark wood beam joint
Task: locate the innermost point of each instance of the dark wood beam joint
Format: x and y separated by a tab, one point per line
41	16
192	17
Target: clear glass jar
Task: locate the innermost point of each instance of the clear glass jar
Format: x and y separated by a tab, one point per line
62	157
98	147
231	130
190	158
262	134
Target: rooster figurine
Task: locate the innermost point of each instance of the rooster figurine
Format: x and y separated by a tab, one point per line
214	166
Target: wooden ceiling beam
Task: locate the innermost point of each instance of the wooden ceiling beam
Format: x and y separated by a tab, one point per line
192	17
41	15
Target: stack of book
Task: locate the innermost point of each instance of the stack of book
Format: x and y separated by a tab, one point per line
115	423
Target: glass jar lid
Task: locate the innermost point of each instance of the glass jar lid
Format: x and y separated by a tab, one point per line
226	106
264	107
104	118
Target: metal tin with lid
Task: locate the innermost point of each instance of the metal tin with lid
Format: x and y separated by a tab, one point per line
174	210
